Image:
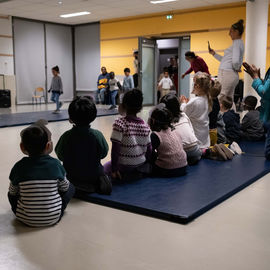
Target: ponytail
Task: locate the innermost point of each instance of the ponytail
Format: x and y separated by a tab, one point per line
204	81
56	68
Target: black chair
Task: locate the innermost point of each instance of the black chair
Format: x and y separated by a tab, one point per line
5	99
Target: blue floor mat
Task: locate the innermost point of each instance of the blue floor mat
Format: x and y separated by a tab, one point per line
185	198
20	119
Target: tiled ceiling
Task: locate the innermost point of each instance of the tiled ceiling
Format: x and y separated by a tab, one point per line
50	10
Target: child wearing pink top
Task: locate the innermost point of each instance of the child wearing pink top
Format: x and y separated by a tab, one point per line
170	159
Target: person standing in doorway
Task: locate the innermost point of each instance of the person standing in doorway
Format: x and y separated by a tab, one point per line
231	62
102	85
136	68
165	84
173	71
56	88
196	64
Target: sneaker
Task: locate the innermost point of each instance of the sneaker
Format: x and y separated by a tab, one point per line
56	112
112	107
227	152
60	104
217	153
236	148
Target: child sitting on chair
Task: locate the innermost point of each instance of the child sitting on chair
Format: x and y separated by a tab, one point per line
183	128
231	120
81	149
170	159
198	107
39	191
114	87
251	126
131	145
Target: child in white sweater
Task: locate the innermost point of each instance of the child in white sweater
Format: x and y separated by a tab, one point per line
183	128
165	84
198	108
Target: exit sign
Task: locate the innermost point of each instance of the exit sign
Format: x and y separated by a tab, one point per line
169	17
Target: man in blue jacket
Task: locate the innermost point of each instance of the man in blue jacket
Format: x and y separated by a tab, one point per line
102	85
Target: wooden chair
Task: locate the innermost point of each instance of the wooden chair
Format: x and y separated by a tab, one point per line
39	93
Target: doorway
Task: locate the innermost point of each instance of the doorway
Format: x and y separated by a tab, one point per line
155	54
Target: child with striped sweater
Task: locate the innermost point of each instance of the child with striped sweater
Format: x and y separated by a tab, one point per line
131	145
39	191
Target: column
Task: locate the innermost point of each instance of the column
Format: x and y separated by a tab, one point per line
256	39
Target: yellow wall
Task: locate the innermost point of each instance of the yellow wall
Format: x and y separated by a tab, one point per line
120	38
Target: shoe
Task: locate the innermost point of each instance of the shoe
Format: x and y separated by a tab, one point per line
60	104
236	148
97	102
56	112
217	153
227	152
112	107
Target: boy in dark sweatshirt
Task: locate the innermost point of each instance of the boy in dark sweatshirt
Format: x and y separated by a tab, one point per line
252	127
82	148
231	120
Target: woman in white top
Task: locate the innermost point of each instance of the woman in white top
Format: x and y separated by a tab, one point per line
231	62
183	128
198	108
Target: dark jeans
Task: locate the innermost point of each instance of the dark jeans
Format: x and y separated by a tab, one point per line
136	80
66	197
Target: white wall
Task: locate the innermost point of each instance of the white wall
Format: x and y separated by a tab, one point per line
6	46
87	56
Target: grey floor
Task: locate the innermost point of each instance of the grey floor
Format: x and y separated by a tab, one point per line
233	235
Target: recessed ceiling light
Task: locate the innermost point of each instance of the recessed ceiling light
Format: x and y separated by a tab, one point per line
60	2
162	1
75	14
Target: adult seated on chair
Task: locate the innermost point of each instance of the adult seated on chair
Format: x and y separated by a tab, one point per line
102	85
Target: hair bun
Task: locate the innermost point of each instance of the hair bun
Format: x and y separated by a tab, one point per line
241	22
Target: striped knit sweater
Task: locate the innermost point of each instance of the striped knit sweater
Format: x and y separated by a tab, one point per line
37	182
133	136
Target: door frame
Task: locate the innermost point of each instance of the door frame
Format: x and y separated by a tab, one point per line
154	39
151	43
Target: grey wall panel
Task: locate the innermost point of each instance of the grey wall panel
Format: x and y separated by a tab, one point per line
87	56
29	58
59	52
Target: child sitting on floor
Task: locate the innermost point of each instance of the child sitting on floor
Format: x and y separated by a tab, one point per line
231	120
39	191
267	141
213	115
251	126
183	128
198	107
81	149
131	145
171	159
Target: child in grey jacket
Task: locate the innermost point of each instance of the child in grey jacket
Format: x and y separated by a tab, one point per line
251	126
